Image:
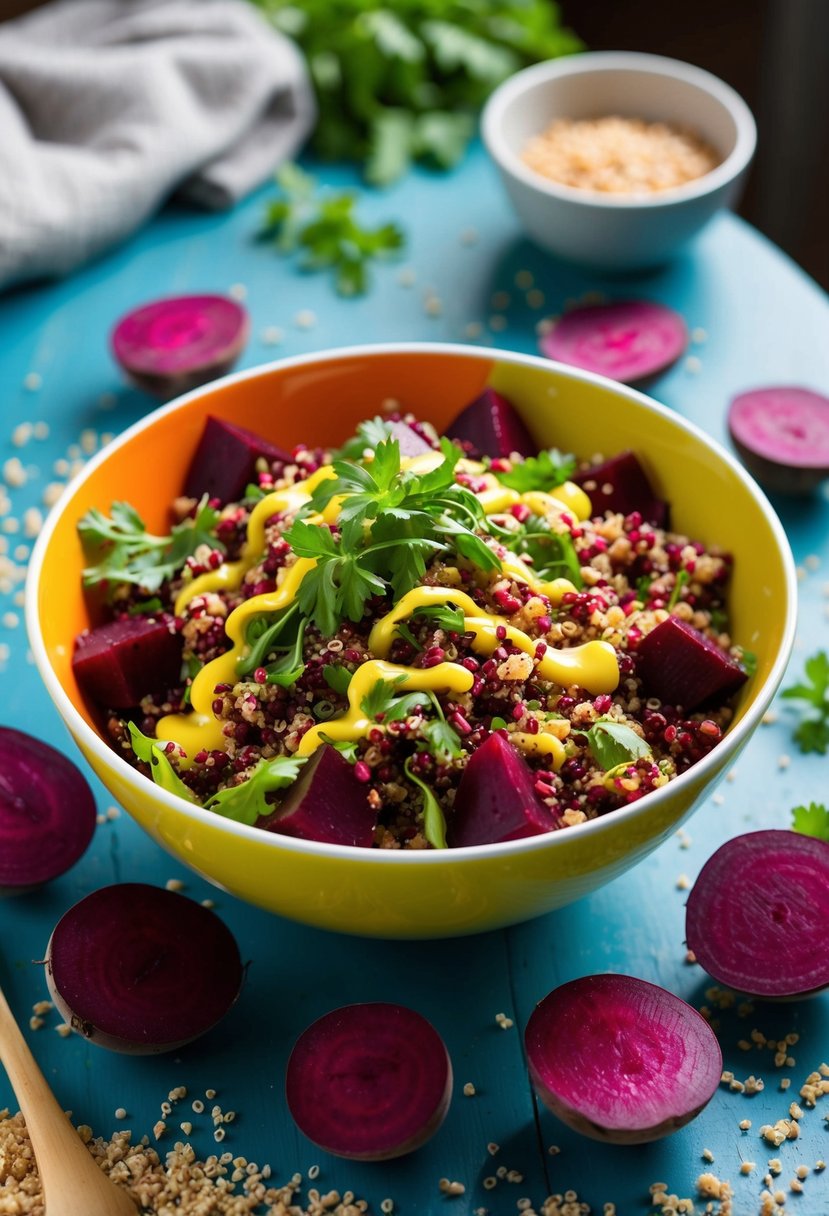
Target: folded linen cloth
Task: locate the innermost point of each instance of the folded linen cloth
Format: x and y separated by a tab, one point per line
109	106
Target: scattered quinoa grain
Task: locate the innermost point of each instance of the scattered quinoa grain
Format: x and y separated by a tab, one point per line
503	1021
237	291
120	1113
492	1148
32	381
219	1134
305	319
174	884
683	882
64	1030
35	1022
707	1155
313	1172
745	1124
748	1167
469	1090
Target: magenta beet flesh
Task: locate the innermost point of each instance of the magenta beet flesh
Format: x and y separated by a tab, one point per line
621	485
758	915
139	969
782	434
369	1082
225	460
122	661
47	812
627	341
172	345
411	444
621	1060
496	799
491	426
682	667
326	803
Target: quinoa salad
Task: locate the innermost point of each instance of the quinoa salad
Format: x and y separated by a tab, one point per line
411	642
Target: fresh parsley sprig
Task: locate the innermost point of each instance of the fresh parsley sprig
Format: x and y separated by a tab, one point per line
812	732
552	554
542	472
128	553
811	820
248	802
614	743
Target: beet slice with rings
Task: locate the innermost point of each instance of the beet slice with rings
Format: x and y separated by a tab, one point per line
782	436
120	662
47	812
621	1060
369	1082
491	426
627	340
142	970
496	800
325	803
170	346
225	460
621	485
683	667
757	918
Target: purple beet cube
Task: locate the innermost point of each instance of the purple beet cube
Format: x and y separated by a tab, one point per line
225	460
122	661
496	799
491	426
622	486
684	668
325	803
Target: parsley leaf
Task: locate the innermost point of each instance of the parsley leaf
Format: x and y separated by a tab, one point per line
614	743
811	820
326	232
552	554
442	740
369	434
248	802
442	615
681	579
542	472
151	751
336	677
128	553
434	824
347	747
380	698
812	733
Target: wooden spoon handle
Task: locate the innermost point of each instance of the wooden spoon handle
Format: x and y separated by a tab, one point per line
73	1184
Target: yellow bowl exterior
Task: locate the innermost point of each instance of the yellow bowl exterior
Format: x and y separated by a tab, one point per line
319	399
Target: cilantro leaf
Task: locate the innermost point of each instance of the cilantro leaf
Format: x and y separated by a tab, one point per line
444	616
151	751
812	733
336	677
380	697
442	740
614	743
552	554
369	434
811	820
542	472
248	802
434	823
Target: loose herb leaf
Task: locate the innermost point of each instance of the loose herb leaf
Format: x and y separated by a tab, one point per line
444	616
442	740
346	747
542	472
151	751
248	802
336	677
369	434
146	607
380	698
681	579
614	743
434	824
128	553
811	820
552	554
812	733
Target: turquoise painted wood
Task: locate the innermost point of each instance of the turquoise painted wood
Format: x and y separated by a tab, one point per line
764	322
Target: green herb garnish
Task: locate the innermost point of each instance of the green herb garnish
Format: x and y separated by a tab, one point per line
811	820
812	733
613	744
444	616
151	751
146	607
336	677
369	434
128	553
434	824
552	554
266	637
346	747
682	578
248	802
325	231
542	472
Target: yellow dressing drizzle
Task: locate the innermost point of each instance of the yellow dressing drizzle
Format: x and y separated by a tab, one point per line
541	744
353	724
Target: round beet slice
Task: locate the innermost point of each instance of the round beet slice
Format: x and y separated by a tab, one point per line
369	1082
782	435
172	345
621	1060
757	918
140	969
627	341
47	812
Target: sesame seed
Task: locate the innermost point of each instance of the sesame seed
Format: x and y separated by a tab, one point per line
554	1150
690	957
40	430
769	718
812	561
89	441
32	381
503	1021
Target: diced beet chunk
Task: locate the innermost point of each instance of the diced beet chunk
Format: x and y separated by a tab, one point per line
325	803
225	460
491	426
496	799
681	666
622	486
411	444
122	661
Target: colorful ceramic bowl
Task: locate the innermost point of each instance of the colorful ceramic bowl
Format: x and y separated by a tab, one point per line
319	399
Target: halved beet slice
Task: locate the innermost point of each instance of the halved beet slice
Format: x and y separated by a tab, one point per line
782	435
621	485
496	799
411	444
627	340
682	667
757	917
139	969
225	460
369	1082
172	345
491	426
47	812
325	803
120	662
621	1060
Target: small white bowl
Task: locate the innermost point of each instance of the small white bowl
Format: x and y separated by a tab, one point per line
617	231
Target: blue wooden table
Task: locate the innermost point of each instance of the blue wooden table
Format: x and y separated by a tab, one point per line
756	320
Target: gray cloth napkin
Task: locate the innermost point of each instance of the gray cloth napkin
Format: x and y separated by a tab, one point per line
109	106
